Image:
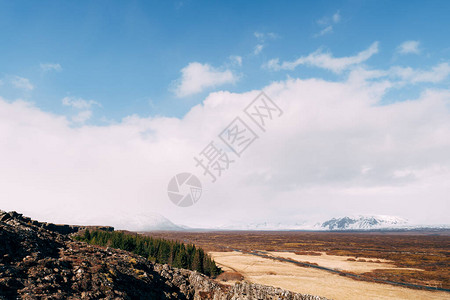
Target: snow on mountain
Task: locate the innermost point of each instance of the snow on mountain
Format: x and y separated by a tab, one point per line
364	223
154	221
341	223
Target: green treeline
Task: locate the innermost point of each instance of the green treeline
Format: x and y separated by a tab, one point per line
162	251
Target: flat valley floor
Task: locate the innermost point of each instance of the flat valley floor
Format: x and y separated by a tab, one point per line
312	281
288	259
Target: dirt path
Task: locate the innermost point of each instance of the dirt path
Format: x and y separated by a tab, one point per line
316	282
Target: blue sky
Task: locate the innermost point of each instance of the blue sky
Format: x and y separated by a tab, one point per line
127	55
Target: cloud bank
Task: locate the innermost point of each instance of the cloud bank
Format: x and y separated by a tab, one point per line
335	151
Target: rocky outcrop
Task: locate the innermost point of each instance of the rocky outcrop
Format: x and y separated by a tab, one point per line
38	262
62	229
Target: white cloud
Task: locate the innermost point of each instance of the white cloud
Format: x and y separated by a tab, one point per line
258	49
236	60
262	40
258	35
398	77
197	77
334	151
50	67
22	83
328	29
325	60
409	47
78	103
82	116
328	23
437	74
262	37
81	104
336	17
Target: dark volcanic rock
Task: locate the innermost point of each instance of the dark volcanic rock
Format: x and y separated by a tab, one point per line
38	262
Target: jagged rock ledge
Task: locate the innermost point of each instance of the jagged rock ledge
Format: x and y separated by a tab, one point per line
59	228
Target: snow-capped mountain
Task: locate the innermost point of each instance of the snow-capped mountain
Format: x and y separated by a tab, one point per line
374	222
364	223
154	221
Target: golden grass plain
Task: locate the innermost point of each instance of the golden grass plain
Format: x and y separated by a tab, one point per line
316	282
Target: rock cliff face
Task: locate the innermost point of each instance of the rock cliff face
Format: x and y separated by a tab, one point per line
39	262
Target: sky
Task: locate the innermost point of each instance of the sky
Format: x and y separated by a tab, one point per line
103	102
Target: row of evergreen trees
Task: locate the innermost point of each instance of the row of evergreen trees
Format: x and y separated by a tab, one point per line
162	251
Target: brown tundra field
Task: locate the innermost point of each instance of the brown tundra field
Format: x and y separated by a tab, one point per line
337	265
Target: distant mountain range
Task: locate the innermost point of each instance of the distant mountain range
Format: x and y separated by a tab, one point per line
341	223
371	222
364	223
157	222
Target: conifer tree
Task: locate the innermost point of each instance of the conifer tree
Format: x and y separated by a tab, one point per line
163	251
